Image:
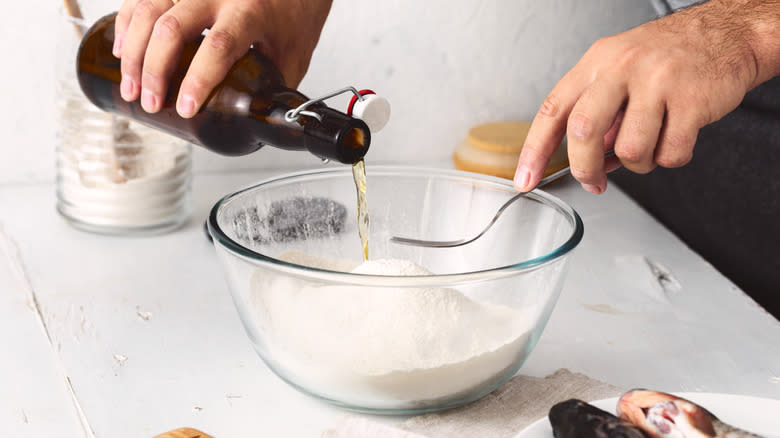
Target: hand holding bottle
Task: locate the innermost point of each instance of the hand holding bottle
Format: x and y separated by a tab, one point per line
150	34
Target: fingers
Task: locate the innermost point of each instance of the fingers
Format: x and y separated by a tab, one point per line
589	122
611	135
150	34
137	36
612	163
669	90
547	130
224	44
677	138
638	135
171	31
121	24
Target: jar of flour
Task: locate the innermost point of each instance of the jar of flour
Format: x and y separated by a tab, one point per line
114	176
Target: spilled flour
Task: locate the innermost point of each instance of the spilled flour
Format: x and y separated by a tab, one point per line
384	342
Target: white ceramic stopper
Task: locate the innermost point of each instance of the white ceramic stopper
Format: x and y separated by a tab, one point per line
374	110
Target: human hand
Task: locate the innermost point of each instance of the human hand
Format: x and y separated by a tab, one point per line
150	34
647	92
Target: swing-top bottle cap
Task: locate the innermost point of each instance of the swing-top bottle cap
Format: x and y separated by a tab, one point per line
372	109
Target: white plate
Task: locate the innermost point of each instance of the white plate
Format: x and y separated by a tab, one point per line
757	415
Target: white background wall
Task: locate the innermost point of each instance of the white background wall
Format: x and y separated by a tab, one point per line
443	64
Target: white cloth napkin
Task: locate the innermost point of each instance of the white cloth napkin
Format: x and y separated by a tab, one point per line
502	413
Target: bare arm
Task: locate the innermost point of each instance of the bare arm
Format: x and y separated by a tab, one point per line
647	92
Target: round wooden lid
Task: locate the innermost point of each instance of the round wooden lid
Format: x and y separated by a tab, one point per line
494	148
504	137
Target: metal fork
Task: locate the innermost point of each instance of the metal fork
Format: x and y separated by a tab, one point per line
453	243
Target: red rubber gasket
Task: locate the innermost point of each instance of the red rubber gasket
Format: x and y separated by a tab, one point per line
354	99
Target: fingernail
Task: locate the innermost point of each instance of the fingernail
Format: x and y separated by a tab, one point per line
186	106
126	88
592	188
117	50
148	101
522	176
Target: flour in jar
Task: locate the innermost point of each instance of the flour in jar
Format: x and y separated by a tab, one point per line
409	344
113	173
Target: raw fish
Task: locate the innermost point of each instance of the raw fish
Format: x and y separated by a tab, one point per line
663	415
577	419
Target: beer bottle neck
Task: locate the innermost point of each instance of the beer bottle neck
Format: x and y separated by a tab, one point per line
331	134
337	136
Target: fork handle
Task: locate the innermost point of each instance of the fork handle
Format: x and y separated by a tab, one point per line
565	171
544	181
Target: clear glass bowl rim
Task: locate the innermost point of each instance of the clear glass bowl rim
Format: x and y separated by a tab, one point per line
329	276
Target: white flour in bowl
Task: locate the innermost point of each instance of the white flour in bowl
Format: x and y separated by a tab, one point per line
380	343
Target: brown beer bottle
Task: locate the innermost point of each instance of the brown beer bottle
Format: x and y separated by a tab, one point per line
244	113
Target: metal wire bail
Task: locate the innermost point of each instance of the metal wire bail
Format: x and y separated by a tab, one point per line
294	114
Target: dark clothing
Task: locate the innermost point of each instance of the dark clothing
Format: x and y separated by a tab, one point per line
725	204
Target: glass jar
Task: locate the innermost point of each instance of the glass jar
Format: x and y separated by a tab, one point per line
114	175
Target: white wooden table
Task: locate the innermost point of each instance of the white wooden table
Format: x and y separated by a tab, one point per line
130	337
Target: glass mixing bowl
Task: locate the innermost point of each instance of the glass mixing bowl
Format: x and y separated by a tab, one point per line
414	329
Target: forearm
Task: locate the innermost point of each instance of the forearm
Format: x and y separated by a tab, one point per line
744	35
763	18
